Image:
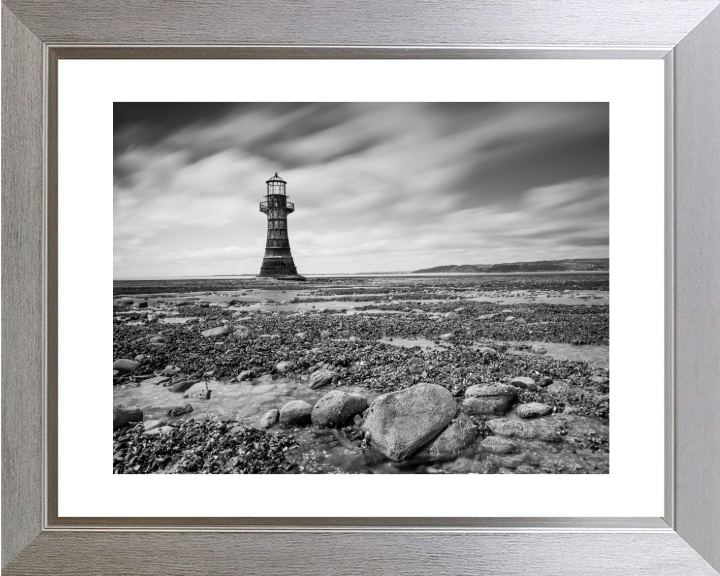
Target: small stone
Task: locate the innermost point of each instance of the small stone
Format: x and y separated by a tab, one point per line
491	406
123	416
538	349
321	378
295	413
512	428
336	408
496	445
269	419
489	390
489	400
180	410
183	386
487	351
524	382
126	365
284	366
533	410
558	388
217	332
245	375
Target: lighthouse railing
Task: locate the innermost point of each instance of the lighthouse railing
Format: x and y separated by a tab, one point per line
289	206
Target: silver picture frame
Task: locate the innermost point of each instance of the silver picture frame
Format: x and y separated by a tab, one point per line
683	33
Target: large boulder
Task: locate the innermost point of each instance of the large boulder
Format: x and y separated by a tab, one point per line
336	408
126	365
533	410
295	413
217	332
489	400
400	423
512	428
321	378
123	416
452	441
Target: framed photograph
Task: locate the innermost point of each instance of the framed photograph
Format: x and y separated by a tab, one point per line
360	279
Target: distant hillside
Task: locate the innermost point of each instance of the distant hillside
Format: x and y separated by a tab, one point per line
581	264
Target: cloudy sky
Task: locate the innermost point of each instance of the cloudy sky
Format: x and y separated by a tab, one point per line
376	186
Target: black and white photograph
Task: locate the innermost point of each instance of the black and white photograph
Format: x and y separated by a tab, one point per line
361	288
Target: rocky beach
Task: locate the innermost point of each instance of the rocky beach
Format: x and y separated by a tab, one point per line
452	373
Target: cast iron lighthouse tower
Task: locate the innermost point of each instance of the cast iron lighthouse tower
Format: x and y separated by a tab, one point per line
278	261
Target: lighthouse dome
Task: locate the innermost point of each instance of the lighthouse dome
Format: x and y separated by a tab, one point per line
275	178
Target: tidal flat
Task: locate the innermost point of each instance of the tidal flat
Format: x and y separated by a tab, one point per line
505	374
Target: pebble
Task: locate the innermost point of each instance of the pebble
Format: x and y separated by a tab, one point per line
217	332
245	375
284	366
295	413
125	365
180	410
496	445
533	410
123	416
269	419
336	408
524	382
512	428
183	386
321	378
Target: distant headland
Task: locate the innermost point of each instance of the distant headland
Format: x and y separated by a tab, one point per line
573	265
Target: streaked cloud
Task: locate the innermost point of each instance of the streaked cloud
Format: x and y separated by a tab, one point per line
377	187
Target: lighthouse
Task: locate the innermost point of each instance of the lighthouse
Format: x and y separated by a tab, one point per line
278	261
